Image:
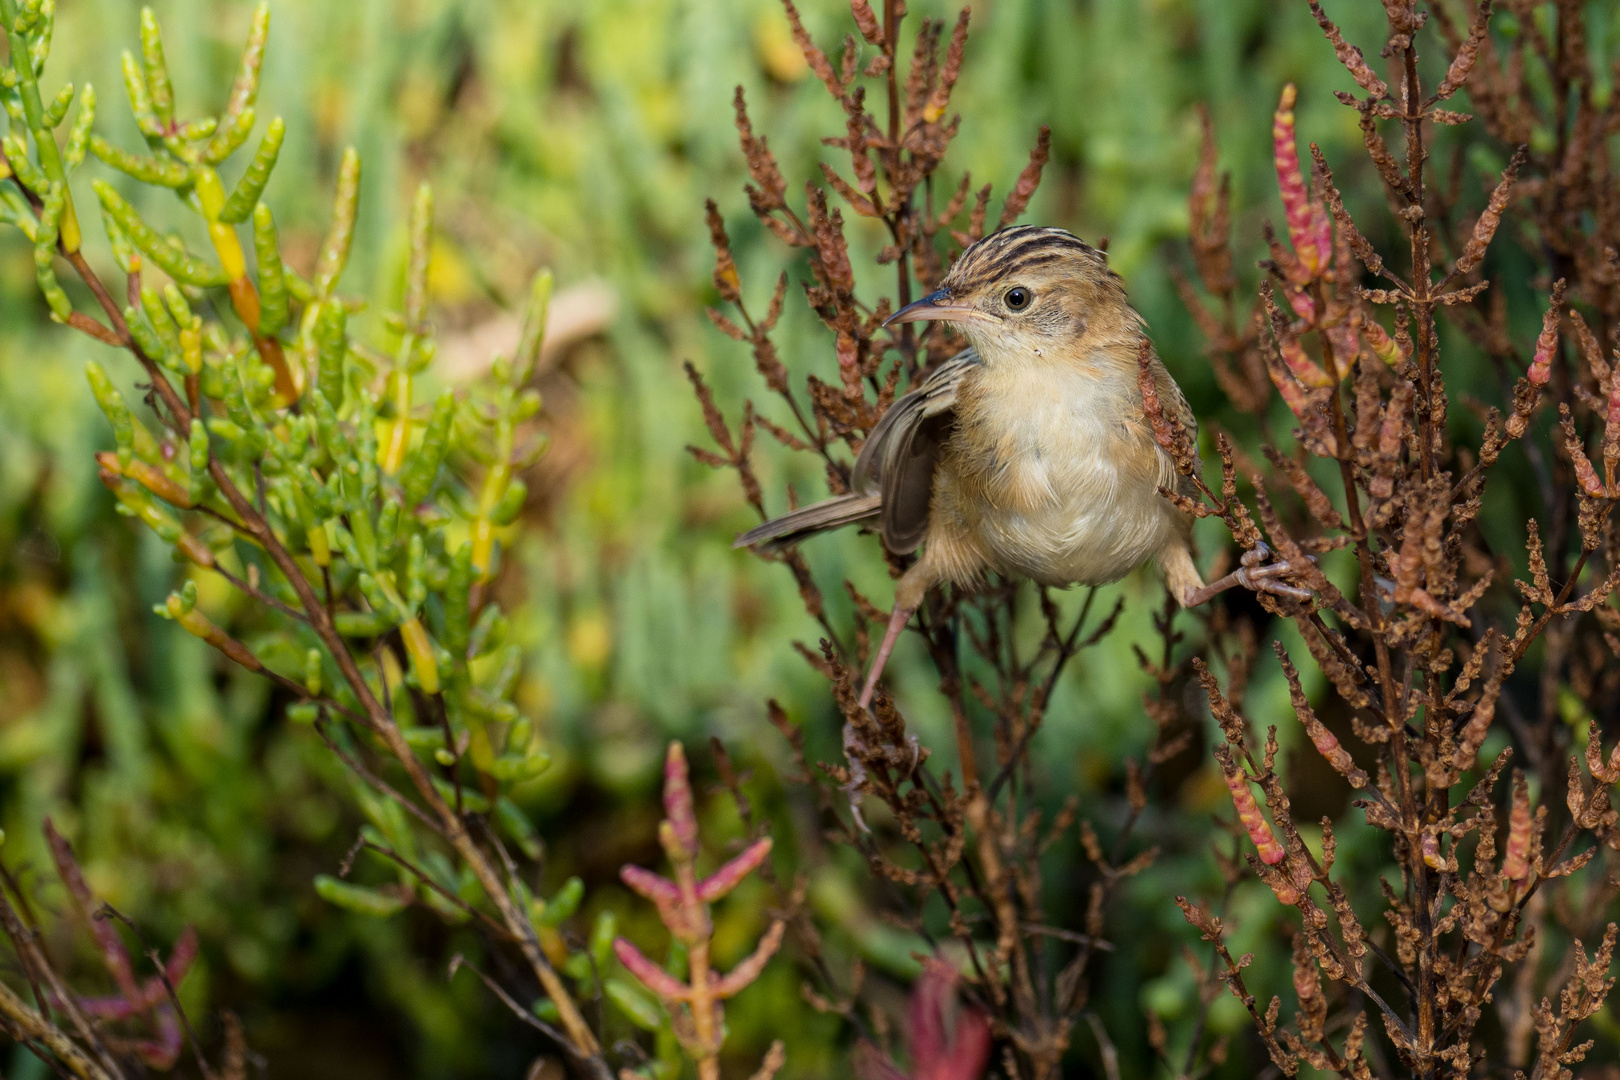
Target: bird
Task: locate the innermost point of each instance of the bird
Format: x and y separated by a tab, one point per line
1028	454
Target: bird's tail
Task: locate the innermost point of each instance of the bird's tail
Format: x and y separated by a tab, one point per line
808	520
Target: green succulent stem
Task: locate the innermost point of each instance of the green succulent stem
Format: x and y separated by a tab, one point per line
50	159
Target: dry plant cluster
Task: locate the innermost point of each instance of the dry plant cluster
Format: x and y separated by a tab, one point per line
1447	683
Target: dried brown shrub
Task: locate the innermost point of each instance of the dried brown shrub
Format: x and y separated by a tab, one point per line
1441	670
1426	652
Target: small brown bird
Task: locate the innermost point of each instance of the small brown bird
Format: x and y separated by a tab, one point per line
1027	454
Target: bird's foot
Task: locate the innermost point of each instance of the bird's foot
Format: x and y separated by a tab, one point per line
854	752
853	748
1258	574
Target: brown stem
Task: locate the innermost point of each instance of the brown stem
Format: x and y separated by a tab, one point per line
31	1025
34	961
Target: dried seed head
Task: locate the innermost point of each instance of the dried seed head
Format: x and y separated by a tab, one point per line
1463	62
1490	219
1210	216
1323	739
726	281
1350	56
1516	852
1308	989
1028	180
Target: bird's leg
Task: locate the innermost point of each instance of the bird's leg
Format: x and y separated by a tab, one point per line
1256	574
853	746
897	623
909	592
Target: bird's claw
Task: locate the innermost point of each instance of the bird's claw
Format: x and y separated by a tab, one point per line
1258	574
857	775
853	747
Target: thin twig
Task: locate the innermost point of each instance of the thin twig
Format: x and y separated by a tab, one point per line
108	911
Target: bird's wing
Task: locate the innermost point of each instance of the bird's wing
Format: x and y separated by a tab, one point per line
899	456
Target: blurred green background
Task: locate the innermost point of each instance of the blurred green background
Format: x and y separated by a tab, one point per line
585	137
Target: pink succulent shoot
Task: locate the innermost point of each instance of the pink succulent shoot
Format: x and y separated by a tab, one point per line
1341	335
939	1050
1293	394
1381	343
1303	305
1308	225
1586	475
683	907
1306	370
1248	812
1516	852
1546	345
680	820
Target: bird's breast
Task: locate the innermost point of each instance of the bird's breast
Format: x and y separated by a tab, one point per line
1057	478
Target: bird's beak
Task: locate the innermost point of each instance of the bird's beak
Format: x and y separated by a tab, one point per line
938	307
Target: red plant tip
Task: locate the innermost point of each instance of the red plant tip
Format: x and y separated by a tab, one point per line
668	988
674	849
678	812
1330	748
1342	337
1546	344
1308	227
1248	812
1586	475
1516	853
1307	986
1303	305
729	876
1298	883
182	955
936	1055
738	978
660	890
1293	394
1383	346
1305	369
1286	894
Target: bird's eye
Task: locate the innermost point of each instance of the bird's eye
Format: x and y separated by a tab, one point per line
1017	299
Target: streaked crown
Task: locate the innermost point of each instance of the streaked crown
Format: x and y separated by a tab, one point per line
1034	291
1024	250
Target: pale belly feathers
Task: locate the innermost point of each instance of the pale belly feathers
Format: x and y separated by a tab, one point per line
1068	490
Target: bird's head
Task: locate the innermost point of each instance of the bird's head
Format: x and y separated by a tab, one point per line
1031	293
